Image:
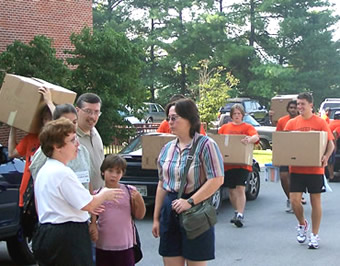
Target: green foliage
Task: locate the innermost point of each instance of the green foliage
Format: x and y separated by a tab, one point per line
214	88
108	64
36	59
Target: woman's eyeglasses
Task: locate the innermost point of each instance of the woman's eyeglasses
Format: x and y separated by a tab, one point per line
172	118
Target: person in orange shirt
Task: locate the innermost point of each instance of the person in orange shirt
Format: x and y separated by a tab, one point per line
164	127
309	179
333	125
29	144
236	175
284	170
326	115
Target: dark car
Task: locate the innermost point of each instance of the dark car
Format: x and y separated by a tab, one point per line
251	107
265	132
146	181
18	245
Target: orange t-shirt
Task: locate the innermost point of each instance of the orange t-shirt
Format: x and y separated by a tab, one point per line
26	148
241	129
314	123
334	124
164	127
282	122
326	118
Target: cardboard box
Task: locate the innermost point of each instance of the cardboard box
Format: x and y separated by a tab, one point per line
21	103
272	173
233	150
279	106
299	148
151	147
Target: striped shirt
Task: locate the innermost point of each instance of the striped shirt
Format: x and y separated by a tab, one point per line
207	163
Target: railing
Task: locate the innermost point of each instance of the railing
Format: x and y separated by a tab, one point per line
119	144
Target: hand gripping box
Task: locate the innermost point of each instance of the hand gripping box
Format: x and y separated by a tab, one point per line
233	150
21	103
151	147
299	148
279	106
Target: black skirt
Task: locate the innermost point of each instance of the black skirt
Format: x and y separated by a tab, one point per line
63	244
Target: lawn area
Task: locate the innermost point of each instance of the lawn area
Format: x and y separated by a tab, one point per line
263	156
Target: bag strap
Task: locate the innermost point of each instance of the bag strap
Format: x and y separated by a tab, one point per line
133	218
187	166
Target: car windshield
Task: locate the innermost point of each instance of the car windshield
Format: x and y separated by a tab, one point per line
250	120
228	106
134	145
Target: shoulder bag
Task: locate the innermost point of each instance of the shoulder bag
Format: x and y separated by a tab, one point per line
201	217
137	247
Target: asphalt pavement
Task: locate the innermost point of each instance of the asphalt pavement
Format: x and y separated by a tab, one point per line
268	237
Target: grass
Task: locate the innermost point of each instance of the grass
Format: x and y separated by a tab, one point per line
263	156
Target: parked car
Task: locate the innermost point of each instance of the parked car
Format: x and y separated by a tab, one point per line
18	244
154	112
146	180
330	103
265	132
251	107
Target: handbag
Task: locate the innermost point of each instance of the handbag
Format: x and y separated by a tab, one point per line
137	247
201	217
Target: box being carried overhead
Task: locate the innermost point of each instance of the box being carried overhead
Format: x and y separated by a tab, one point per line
298	148
151	147
233	150
279	105
21	103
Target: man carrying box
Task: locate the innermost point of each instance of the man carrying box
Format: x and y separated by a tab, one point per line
284	170
308	178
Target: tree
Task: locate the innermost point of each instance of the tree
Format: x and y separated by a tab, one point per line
36	59
107	63
214	88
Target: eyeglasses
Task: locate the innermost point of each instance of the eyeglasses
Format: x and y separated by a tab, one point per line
91	112
173	118
74	140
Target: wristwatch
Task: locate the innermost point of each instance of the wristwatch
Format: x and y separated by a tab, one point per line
191	202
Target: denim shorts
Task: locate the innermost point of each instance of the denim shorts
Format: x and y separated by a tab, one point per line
173	240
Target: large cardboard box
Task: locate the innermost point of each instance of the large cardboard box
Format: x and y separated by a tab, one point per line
151	147
233	150
279	105
299	148
21	103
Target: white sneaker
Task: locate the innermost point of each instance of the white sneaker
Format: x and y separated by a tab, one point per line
289	207
313	241
302	232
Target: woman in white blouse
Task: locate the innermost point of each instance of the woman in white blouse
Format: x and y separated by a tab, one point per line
63	203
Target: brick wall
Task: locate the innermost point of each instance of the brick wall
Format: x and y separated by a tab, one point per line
57	19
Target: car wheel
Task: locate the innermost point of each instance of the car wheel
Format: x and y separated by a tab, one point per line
20	249
253	185
262	145
216	200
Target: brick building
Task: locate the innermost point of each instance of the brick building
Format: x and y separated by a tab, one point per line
56	19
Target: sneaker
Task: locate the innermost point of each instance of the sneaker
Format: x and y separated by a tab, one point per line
313	241
239	220
232	220
302	232
289	207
